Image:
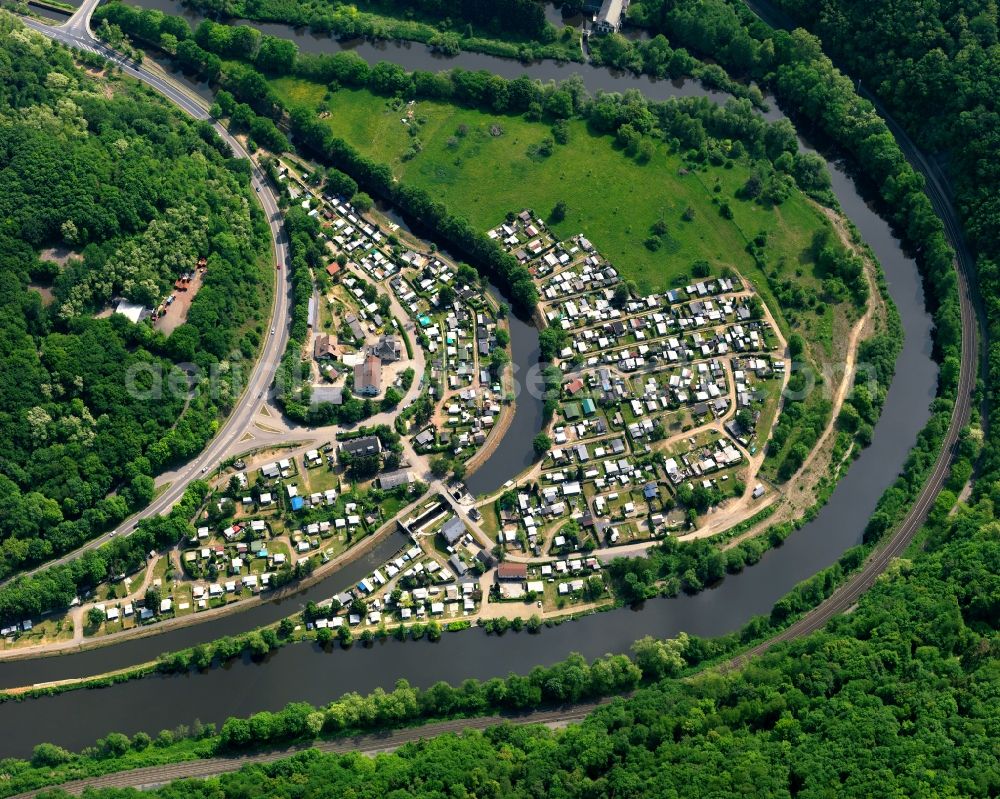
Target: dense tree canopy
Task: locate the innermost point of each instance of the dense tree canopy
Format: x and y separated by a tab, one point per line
895	699
128	195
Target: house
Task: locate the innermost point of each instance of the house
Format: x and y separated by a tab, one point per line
391	480
365	445
368	376
453	530
609	17
508	572
388	349
324	347
333	269
486	558
357	329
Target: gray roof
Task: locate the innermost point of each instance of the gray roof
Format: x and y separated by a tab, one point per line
453	530
332	394
394	479
366	445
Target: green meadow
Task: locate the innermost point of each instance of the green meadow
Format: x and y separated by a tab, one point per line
483	165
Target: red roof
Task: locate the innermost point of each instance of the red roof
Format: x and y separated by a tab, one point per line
512	571
332	269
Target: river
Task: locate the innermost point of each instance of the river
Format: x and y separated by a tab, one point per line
514	453
302	672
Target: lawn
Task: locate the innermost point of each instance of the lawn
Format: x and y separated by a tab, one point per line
612	198
483	166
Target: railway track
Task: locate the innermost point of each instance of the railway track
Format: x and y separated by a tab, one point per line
369	744
938	190
839	602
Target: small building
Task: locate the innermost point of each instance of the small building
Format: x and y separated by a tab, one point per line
365	445
332	394
453	531
368	376
132	311
609	18
508	572
387	349
486	558
357	329
324	347
391	480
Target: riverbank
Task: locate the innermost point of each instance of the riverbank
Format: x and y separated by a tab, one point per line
716	608
319	575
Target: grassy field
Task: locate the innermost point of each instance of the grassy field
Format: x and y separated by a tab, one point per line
483	165
612	199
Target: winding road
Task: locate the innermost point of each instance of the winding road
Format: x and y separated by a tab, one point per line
76	33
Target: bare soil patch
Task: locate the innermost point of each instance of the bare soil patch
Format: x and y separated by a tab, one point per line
175	314
46	293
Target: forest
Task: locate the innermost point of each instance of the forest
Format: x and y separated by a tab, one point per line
937	67
507	28
107	193
896	699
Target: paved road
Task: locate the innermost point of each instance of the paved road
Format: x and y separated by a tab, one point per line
76	33
371	745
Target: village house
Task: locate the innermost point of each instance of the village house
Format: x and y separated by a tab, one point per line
324	347
453	531
512	572
368	377
359	447
388	349
391	480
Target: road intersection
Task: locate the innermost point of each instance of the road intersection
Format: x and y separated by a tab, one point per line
232	435
76	33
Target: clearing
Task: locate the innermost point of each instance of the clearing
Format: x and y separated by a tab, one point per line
484	165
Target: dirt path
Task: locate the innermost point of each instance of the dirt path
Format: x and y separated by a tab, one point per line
735	511
801	485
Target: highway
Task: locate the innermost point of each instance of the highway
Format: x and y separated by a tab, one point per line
76	33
